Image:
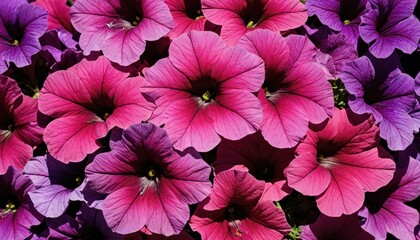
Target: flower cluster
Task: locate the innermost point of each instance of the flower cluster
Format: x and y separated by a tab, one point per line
203	119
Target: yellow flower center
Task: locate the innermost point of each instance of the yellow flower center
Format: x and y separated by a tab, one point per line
346	22
137	21
15	42
206	96
251	24
106	115
199	15
151	173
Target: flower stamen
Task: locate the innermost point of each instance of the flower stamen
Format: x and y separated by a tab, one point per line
206	96
251	24
346	22
15	42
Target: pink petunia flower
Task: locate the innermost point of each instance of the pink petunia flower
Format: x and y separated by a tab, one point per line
86	102
120	28
58	14
341	162
238	17
255	155
295	90
19	130
234	210
204	90
149	184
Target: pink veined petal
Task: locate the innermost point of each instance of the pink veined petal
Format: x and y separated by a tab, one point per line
232	72
283	15
124	47
235	113
221	12
344	195
66	134
233	30
14	152
26	126
301	50
204	222
307	176
195	53
51	201
157	20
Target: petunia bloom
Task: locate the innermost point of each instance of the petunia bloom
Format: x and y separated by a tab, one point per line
255	155
17	214
341	162
58	14
234	210
295	90
19	131
120	28
204	91
86	102
390	25
339	15
384	211
149	184
238	17
386	93
56	184
21	25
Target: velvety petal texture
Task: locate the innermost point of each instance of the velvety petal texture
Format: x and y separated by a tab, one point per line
389	98
86	101
287	106
390	25
19	130
205	91
149	184
238	17
120	28
234	210
58	14
344	160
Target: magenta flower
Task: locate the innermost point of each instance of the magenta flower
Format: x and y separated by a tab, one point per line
120	28
384	210
340	162
19	131
255	155
295	90
344	227
234	210
21	26
58	14
149	184
204	90
238	17
390	24
187	16
387	93
17	214
339	15
86	101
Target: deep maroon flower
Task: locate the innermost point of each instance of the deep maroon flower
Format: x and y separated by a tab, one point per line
238	17
86	102
56	184
120	28
344	227
54	43
255	155
339	15
19	131
386	93
149	184
187	16
384	210
204	90
21	26
234	210
295	90
340	162
390	24
17	214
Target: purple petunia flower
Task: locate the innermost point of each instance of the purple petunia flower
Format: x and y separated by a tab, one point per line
86	102
390	24
386	93
19	130
234	210
120	28
204	91
17	214
384	210
290	71
149	184
255	155
238	17
344	227
56	184
339	15
21	25
340	162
